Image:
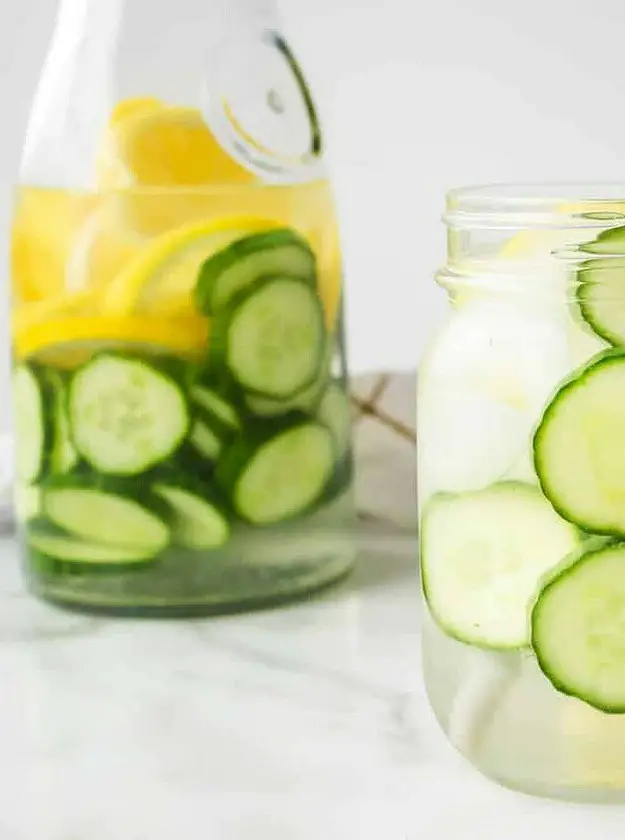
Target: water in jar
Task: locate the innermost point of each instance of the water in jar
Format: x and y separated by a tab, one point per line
521	455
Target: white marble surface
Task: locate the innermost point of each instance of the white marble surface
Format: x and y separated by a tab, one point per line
303	723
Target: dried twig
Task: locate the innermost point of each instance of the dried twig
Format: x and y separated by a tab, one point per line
379	388
367	408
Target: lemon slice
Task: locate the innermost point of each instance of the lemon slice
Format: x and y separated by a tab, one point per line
326	245
538	243
161	279
101	249
535	244
29	314
111	169
70	340
165	147
133	107
312	212
46	223
168	161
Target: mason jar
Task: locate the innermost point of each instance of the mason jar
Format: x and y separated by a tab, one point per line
521	477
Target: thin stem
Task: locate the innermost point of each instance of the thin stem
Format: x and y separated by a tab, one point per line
367	408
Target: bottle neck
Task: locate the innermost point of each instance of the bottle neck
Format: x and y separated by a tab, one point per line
100	25
193	53
75	81
79	20
525	240
80	16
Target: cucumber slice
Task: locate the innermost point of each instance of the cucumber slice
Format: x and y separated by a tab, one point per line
306	401
205	440
248	260
601	296
216	405
482	557
216	421
27	502
277	473
30	405
583	342
335	412
266	407
198	522
610	241
579	454
105	517
126	415
272	340
577	627
63	455
70	550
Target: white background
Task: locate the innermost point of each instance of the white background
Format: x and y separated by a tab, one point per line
418	96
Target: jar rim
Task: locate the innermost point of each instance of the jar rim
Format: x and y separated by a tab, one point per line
529	205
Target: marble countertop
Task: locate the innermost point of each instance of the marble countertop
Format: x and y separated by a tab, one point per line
308	722
301	723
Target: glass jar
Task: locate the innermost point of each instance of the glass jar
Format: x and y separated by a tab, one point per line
181	409
521	463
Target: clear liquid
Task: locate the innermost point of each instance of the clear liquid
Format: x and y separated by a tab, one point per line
482	390
69	304
254	569
502	714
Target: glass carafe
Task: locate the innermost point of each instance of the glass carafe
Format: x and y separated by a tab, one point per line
180	395
521	444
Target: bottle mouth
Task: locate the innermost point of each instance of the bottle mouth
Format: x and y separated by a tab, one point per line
536	239
535	206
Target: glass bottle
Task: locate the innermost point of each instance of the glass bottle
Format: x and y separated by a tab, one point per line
181	411
521	448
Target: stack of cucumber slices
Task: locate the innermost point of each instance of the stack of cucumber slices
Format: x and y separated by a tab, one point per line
512	565
133	452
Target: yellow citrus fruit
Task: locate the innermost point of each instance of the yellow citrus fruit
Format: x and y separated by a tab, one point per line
28	315
162	277
132	107
152	212
45	225
168	147
101	248
112	173
311	211
326	246
169	162
70	340
538	243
